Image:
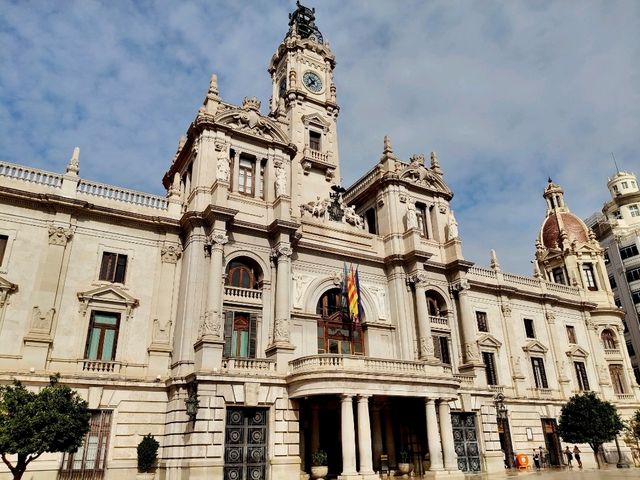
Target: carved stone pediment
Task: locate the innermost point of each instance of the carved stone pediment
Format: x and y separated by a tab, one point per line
109	296
317	120
577	352
534	346
6	288
486	340
250	121
417	173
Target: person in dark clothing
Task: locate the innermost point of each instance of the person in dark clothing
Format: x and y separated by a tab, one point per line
569	455
576	453
536	459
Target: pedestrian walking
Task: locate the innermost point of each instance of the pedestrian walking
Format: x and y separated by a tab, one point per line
576	453
569	455
536	459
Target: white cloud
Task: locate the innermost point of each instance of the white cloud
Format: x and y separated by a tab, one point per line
508	93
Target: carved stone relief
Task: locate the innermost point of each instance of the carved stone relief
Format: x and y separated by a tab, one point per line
170	253
59	235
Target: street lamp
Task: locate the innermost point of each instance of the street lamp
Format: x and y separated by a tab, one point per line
503	421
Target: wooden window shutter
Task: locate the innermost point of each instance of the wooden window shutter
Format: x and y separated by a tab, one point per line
228	331
253	334
436	346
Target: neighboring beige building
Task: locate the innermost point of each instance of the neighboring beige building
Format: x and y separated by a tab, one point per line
213	318
617	229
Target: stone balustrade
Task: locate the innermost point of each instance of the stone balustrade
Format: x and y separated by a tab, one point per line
100	366
465	380
438	320
248	365
243	295
32	175
496	388
122	195
316	155
355	362
625	396
612	352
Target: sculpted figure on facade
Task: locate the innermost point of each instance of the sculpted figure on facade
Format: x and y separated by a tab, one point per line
281	180
42	322
426	347
281	330
210	325
452	226
170	253
471	351
412	216
223	168
352	218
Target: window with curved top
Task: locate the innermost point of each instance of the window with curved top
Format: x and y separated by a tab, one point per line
337	332
243	273
608	339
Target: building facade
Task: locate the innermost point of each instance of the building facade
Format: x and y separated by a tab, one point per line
617	229
214	317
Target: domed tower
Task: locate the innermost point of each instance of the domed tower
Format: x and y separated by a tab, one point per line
567	252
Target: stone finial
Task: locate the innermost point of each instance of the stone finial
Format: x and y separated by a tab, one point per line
73	167
494	261
213	85
387	146
435	165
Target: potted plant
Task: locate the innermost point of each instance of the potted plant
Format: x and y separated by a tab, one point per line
147	456
319	468
404	467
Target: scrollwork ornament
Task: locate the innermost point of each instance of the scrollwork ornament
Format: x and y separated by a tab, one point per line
218	238
551	316
281	330
282	250
426	347
170	253
209	325
506	309
59	235
419	278
461	286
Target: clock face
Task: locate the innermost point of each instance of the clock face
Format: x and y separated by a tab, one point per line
312	82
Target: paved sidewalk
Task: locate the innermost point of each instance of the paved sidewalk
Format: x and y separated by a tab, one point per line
608	473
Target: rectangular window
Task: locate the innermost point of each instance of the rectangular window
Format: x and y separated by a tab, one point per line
617	378
625	185
481	319
628	251
633	275
636	373
581	375
635	296
539	375
634	210
314	140
558	276
370	217
607	260
441	349
246	174
528	328
421	215
113	267
3	247
102	338
571	334
240	334
612	281
490	368
590	280
89	460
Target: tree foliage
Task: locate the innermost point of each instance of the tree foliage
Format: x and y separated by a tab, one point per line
587	419
147	453
55	419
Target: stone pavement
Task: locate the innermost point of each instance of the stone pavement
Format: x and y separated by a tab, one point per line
608	473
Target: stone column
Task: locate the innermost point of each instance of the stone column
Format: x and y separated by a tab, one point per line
315	428
210	344
348	437
446	436
425	340
364	435
389	438
376	436
281	349
433	436
470	353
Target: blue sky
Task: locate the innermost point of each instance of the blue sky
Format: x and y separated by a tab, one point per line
508	93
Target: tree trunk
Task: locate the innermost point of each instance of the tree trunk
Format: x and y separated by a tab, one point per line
595	454
17	474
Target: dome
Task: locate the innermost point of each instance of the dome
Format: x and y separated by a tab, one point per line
575	228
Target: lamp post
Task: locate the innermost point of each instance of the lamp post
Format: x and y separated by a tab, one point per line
622	463
503	421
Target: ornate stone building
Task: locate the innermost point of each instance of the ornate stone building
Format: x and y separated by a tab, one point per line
214	318
617	228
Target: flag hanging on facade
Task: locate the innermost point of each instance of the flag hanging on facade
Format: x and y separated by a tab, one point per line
352	292
357	282
343	286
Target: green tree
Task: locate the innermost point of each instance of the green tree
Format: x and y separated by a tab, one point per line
55	419
587	419
632	427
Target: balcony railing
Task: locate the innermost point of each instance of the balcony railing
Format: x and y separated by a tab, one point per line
438	320
32	175
316	155
612	351
464	379
496	388
256	365
242	295
329	362
100	366
122	195
625	396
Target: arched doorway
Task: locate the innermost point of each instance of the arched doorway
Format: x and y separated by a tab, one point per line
337	332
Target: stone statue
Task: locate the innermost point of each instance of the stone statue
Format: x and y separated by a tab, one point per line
352	218
452	227
281	181
412	216
223	168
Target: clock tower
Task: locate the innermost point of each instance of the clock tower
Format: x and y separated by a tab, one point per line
304	100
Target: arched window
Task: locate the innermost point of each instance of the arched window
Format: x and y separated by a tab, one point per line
244	273
608	339
337	332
